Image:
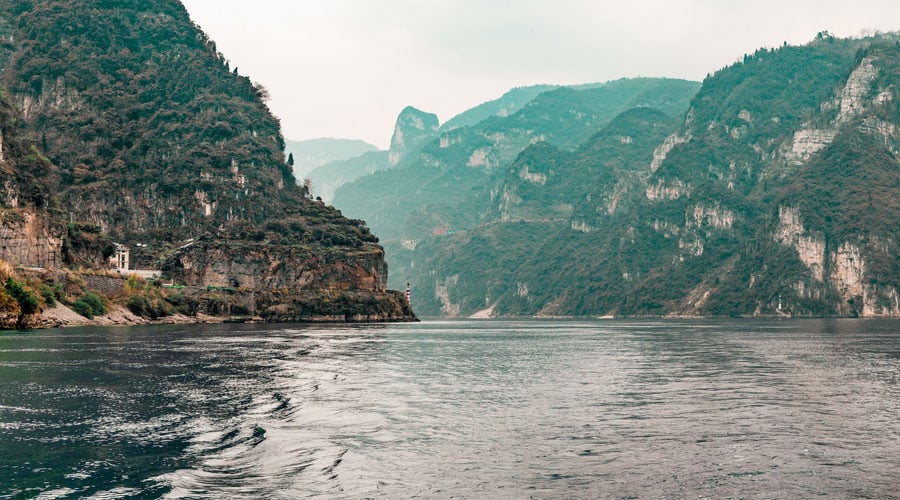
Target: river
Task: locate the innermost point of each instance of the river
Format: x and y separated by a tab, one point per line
464	409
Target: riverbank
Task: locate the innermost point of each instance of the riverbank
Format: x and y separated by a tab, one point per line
39	298
61	316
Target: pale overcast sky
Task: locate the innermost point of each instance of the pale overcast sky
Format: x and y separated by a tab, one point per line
345	68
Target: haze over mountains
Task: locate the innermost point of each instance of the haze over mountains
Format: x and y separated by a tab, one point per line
311	154
770	190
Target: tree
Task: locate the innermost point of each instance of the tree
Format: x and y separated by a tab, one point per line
27	299
291	159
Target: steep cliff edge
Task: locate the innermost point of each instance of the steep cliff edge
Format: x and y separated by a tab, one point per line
28	234
149	139
801	150
414	128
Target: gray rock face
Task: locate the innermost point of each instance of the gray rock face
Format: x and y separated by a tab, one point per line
262	266
26	239
413	129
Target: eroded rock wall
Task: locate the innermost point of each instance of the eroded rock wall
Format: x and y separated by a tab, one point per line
26	239
267	267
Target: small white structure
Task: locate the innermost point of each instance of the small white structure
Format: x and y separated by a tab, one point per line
118	261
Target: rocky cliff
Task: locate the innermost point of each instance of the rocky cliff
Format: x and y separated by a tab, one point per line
813	171
29	235
413	129
264	266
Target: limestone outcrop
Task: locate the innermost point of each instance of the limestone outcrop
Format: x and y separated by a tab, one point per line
414	128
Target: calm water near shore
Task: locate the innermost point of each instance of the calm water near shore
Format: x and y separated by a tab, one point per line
468	409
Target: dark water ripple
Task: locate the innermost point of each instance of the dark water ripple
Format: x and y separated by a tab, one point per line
527	409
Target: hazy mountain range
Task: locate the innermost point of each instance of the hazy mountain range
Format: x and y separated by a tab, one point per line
311	154
769	190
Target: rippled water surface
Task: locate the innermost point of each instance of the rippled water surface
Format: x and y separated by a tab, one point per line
500	409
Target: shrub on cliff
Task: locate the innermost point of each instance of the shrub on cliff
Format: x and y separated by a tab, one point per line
16	297
90	305
8	305
27	298
83	308
184	304
52	294
146	300
149	307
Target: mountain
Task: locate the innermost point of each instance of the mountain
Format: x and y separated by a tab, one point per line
313	153
544	205
548	184
414	128
776	195
505	105
155	143
332	175
441	185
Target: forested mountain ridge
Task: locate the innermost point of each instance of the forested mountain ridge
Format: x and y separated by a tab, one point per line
777	195
162	146
546	183
797	183
123	96
505	105
441	185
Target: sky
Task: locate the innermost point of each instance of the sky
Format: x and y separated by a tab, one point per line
346	68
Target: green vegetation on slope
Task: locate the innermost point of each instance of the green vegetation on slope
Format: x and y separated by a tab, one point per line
139	132
505	105
528	258
446	183
776	196
155	136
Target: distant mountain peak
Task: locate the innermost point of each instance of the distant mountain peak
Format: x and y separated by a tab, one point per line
413	129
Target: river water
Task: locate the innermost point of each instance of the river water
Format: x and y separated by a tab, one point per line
469	409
